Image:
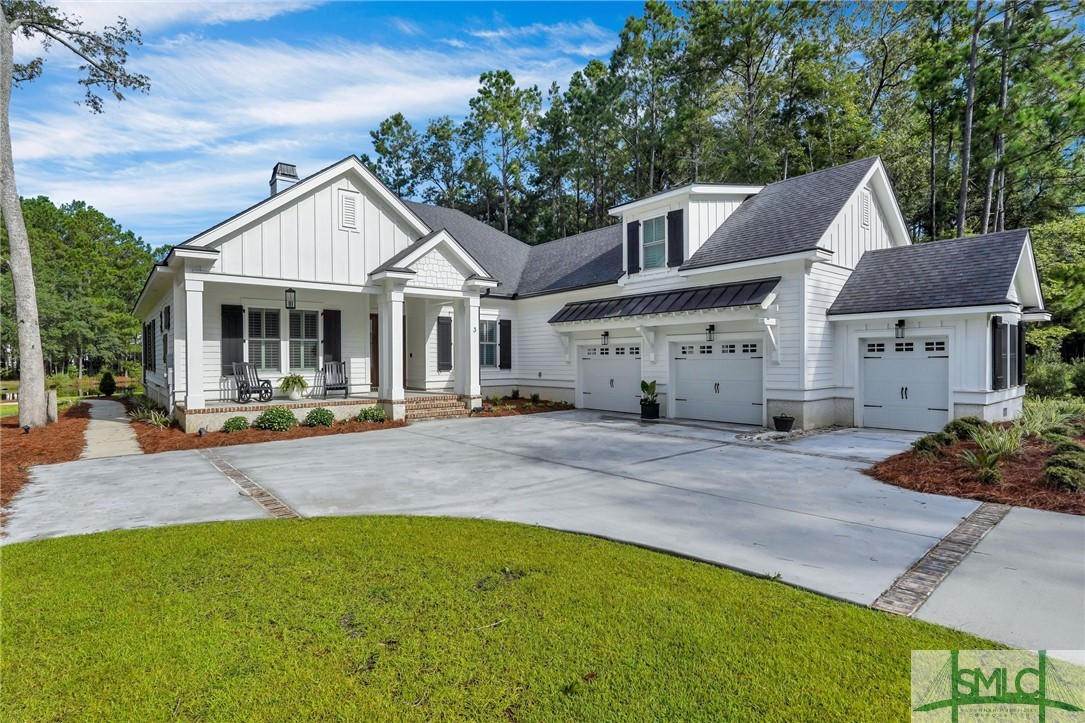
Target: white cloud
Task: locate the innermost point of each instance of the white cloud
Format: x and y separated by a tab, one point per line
159	14
200	146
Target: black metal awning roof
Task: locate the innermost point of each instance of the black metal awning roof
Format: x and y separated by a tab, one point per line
702	298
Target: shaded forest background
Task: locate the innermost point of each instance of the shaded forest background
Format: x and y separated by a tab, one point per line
977	108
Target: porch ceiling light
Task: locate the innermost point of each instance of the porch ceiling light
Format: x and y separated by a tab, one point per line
605	338
900	328
710	332
291	299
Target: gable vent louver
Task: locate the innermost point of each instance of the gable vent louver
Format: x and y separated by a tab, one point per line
348	210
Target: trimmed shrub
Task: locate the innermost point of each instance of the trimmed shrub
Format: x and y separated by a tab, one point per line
1064	478
1070	446
515	394
372	414
235	424
1047	375
933	443
965	427
319	417
1070	460
535	398
1077	377
276	419
108	385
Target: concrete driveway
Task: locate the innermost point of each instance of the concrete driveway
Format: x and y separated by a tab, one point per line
801	509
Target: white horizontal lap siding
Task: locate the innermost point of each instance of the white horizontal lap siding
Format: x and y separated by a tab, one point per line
540	352
158	374
823	284
354	320
491	309
306	240
785	372
849	239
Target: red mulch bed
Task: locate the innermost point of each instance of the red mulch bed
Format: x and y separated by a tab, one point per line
153	439
520	406
947	474
53	443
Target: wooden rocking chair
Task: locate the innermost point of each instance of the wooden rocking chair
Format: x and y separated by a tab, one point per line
249	383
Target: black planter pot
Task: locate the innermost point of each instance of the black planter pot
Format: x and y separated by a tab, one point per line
783	422
649	410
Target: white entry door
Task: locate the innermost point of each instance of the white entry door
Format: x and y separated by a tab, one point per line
610	377
721	381
905	384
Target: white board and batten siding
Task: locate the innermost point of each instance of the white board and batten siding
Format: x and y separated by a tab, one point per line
705	215
312	239
859	227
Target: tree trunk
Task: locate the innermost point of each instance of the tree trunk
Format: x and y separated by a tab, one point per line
966	136
1000	137
988	190
934	175
32	409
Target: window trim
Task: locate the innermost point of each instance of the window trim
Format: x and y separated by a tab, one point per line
290	339
662	243
262	339
495	343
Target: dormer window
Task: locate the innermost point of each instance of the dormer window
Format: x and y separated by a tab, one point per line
654	240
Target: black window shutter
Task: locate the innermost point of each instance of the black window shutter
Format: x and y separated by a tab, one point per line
676	249
152	360
233	337
632	246
145	346
1021	373
444	343
504	336
998	353
333	335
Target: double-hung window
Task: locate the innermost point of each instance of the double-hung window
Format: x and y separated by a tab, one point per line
304	340
264	339
654	240
487	342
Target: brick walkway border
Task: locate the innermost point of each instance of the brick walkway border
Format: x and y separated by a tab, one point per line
271	504
911	590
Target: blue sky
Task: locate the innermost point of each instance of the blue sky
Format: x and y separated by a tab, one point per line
239	86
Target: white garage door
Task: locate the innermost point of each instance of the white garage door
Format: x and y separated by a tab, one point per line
905	384
610	378
719	381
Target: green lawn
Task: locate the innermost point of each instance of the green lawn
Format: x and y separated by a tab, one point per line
390	618
9	410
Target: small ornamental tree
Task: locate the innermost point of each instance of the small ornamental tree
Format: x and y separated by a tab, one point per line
108	385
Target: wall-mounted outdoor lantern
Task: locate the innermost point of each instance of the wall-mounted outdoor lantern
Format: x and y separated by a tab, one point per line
605	338
900	328
710	333
291	299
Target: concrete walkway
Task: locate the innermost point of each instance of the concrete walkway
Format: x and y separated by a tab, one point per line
109	432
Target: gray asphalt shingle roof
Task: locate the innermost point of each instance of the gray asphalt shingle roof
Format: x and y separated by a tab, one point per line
501	255
786	217
586	259
973	271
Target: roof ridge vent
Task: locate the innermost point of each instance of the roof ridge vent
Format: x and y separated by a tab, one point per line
283	175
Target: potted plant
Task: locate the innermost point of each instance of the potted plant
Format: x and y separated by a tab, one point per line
293	385
649	400
783	422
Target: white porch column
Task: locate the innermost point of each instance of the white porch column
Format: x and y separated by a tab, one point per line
468	382
193	345
390	382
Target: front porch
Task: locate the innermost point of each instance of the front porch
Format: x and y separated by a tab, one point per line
415	405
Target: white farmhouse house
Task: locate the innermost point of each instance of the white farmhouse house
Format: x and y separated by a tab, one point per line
803	297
